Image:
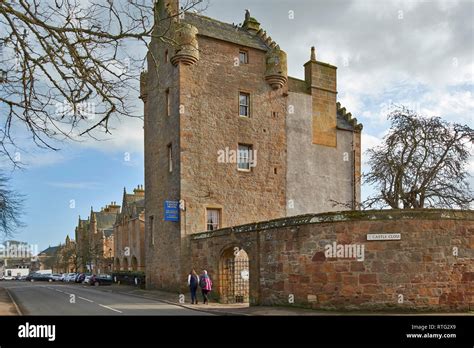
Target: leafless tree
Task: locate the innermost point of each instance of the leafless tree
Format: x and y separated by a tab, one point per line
68	66
421	164
11	208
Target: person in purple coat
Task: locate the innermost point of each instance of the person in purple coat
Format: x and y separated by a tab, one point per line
206	286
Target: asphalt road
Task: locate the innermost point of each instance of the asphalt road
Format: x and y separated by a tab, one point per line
42	298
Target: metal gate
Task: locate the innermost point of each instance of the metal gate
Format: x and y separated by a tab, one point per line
234	279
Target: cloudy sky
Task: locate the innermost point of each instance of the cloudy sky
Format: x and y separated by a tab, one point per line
416	53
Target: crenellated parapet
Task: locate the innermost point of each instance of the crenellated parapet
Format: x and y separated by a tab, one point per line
276	72
187	47
348	117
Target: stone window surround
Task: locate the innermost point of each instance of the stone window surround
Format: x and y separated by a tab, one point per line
243	53
170	157
218	207
249	103
250	148
151	219
167	102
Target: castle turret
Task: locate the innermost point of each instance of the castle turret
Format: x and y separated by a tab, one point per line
187	48
276	73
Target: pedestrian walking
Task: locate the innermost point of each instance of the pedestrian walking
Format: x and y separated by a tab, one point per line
193	282
206	286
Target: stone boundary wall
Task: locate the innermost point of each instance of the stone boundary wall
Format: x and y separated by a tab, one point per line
430	268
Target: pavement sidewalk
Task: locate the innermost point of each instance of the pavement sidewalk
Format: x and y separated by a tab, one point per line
241	309
7	306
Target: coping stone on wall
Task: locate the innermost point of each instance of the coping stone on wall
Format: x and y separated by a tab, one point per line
342	216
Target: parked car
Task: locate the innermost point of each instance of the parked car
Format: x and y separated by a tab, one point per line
4	277
101	279
86	279
20	277
82	277
56	277
41	277
70	277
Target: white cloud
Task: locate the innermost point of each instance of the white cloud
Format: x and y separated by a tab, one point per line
126	136
75	185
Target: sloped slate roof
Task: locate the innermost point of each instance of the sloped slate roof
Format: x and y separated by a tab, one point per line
223	31
108	232
131	198
50	250
140	203
105	220
135	208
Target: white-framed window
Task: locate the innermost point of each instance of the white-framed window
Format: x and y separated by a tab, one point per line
213	219
170	157
244	104
244	157
243	57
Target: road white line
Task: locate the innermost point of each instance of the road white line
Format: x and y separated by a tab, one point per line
112	309
59	290
85	299
14	302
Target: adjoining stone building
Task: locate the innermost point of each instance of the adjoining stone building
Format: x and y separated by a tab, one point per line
129	232
61	258
222	95
95	240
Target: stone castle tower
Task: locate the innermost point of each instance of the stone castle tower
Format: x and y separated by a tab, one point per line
212	88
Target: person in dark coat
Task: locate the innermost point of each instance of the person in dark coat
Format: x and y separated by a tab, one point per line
193	282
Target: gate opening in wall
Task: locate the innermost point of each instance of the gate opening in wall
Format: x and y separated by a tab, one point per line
234	276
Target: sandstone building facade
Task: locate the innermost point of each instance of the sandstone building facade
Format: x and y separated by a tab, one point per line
129	232
95	240
215	94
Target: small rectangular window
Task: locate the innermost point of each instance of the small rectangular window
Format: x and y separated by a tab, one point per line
152	229
213	217
243	57
244	157
244	104
168	103
170	158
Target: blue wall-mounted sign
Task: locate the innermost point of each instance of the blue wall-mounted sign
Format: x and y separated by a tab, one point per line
172	211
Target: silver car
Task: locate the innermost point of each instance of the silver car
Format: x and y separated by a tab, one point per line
56	277
70	277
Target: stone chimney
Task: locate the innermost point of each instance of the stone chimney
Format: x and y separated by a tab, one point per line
113	208
139	191
250	23
321	80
